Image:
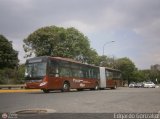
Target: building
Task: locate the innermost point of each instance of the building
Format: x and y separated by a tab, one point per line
155	67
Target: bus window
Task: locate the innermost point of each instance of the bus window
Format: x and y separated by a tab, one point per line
75	73
117	75
95	74
89	72
109	74
53	69
81	74
65	71
85	72
35	69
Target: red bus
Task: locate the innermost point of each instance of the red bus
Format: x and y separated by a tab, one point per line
56	73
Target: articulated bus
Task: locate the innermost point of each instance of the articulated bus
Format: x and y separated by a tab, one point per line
56	73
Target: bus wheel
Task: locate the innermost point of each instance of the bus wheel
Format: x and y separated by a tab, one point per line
96	87
45	90
115	86
66	87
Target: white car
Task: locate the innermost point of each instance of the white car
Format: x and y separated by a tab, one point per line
149	85
132	85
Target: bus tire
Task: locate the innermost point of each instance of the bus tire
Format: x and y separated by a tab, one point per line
96	86
66	87
45	90
115	86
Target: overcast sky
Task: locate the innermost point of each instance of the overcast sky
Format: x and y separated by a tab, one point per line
134	25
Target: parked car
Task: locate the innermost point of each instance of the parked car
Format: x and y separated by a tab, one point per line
132	85
149	85
138	85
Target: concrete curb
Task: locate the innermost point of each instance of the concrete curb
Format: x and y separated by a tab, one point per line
19	90
12	86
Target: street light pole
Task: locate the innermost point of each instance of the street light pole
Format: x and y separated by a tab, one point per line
107	43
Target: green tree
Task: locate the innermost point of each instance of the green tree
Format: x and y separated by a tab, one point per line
127	67
138	76
154	75
103	61
7	76
107	61
8	56
61	42
90	57
20	73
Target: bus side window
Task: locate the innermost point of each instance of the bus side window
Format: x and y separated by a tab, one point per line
65	71
53	69
109	75
106	74
85	72
95	74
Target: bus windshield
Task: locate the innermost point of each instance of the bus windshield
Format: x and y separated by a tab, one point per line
34	70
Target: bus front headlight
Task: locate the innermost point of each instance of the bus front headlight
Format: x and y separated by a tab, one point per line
43	83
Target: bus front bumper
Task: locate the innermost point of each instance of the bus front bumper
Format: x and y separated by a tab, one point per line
36	85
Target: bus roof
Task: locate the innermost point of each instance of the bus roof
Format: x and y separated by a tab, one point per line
111	69
44	58
71	60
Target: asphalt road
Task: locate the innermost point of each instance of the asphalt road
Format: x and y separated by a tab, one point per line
121	100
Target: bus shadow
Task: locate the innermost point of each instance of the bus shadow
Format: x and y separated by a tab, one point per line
58	91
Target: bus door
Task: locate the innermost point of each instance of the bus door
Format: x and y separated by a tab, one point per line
55	82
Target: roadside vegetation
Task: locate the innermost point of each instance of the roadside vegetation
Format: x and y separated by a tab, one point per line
63	42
